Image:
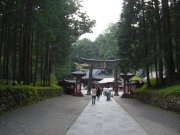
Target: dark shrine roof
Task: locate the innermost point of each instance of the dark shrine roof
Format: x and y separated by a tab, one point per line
98	74
126	76
78	73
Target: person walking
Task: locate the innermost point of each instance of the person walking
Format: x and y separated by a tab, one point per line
104	90
98	93
93	94
108	94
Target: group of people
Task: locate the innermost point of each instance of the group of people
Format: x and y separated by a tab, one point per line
97	92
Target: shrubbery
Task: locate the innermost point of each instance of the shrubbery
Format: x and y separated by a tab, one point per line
13	96
167	98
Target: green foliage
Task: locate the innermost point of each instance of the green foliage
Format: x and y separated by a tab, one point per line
127	39
153	85
171	89
145	38
85	48
152	81
53	79
40	37
81	66
64	70
14	96
104	47
135	78
71	24
107	44
167	97
174	89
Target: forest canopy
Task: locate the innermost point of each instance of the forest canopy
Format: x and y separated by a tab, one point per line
36	36
149	36
104	47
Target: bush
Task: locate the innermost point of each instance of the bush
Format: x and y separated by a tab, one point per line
167	98
13	96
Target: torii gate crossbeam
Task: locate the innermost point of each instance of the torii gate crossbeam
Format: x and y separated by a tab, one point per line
91	69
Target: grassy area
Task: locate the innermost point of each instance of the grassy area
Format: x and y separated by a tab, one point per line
171	89
165	89
167	97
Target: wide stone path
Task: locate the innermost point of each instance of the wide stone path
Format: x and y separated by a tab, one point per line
105	118
53	116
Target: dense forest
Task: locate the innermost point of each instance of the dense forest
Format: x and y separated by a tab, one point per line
149	36
105	46
36	36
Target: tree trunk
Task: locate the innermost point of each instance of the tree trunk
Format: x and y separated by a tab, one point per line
148	78
151	71
14	73
21	36
31	59
144	43
27	42
20	78
37	59
41	70
35	70
50	67
177	35
7	53
1	43
45	69
159	42
4	72
155	50
168	51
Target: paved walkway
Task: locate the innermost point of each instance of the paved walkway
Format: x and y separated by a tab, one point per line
105	118
154	120
53	116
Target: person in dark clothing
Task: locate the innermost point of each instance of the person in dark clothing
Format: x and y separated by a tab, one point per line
98	93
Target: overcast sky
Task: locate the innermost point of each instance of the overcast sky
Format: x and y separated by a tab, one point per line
104	12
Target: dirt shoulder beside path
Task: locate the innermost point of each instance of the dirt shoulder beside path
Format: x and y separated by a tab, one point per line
53	116
154	120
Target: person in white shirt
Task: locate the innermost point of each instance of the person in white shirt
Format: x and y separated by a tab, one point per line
104	91
108	93
93	94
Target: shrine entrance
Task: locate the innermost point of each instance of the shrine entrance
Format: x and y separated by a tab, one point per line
103	65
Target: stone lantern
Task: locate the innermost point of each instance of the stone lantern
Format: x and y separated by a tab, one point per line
78	75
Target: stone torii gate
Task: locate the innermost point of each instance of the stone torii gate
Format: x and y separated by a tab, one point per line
103	64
